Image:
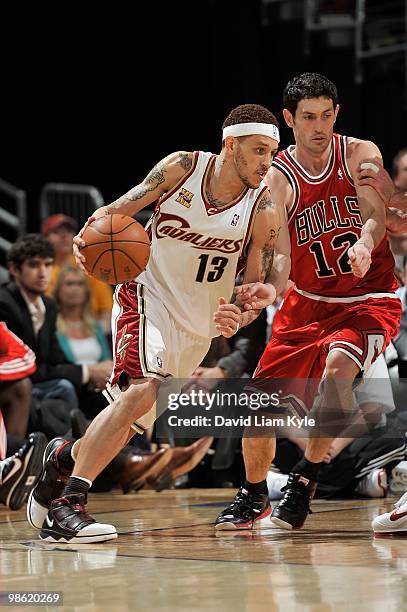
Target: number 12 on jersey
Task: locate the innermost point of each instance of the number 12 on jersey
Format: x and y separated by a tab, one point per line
342	241
213	271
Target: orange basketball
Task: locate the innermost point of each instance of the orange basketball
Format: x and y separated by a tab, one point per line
117	248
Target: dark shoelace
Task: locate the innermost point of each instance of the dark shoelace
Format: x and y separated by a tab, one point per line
243	503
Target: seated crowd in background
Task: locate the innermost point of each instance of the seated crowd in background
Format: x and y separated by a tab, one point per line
60	231
68	338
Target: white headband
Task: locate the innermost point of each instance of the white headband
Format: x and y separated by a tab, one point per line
248	129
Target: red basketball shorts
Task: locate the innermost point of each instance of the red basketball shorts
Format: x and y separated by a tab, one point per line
148	342
305	330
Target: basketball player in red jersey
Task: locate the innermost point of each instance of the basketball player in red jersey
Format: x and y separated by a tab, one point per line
212	211
342	312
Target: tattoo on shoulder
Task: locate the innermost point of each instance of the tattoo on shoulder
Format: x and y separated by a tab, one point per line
265	202
185	160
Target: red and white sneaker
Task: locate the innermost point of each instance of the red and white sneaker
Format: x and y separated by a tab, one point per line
68	521
247	511
49	486
394	522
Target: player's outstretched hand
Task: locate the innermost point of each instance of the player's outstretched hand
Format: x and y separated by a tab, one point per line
373	174
78	243
255	296
359	259
227	318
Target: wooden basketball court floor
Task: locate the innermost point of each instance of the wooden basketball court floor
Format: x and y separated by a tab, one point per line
169	558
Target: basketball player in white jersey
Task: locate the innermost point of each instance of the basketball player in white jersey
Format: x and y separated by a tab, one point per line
213	211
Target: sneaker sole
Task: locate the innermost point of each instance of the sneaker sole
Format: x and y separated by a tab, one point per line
30	498
391	532
29	477
263	522
280	524
102	537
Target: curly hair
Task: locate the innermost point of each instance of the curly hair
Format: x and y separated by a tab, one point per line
29	246
308	85
249	113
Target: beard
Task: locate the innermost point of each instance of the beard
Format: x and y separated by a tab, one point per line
241	169
247	183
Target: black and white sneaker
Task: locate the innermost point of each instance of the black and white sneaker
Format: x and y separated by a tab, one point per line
294	508
247	511
67	521
20	473
50	484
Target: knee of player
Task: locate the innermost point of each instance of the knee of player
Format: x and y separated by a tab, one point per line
340	366
140	394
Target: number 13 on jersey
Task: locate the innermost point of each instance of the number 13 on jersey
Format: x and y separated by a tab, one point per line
210	271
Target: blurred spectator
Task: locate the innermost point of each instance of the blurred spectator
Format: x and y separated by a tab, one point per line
398	243
60	230
355	464
17	362
79	334
32	317
400	342
20	471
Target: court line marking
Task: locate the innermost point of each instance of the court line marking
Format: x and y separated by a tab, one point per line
197	505
162	558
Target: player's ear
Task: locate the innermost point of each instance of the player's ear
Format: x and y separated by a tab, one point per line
289	119
229	143
336	111
11	267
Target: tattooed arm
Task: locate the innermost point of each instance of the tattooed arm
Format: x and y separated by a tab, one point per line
257	295
256	291
162	178
282	195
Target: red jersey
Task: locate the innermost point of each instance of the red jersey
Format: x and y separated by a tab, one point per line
324	222
16	359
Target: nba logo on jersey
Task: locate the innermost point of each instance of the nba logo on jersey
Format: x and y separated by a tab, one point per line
159	362
184	197
340	175
235	220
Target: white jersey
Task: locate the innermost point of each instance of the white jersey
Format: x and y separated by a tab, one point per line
196	248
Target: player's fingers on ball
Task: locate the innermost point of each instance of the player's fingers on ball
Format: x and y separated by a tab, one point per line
80	259
78	241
